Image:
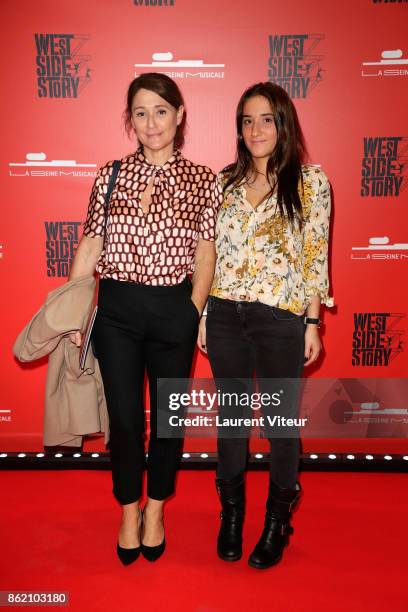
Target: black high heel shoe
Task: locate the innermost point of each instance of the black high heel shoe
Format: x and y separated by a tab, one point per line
129	555
152	553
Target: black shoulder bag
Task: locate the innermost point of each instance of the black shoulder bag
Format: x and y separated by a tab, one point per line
88	334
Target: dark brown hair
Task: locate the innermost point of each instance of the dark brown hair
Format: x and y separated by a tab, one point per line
284	168
164	87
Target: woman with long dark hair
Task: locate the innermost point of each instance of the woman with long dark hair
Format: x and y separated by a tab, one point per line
263	310
160	230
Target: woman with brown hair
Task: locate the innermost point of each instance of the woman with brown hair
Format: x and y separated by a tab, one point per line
160	230
263	310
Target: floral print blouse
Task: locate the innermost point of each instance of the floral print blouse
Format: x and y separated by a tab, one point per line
260	258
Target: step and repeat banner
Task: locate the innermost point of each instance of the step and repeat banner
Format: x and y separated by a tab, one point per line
65	71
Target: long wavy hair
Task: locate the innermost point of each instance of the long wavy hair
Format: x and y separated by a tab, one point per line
284	167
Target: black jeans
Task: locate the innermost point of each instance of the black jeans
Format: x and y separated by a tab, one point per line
137	328
248	337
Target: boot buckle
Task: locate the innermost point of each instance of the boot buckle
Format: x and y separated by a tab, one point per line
292	505
286	529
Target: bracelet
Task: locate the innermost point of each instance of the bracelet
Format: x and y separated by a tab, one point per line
310	321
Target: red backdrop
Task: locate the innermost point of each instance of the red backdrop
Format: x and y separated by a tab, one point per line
349	58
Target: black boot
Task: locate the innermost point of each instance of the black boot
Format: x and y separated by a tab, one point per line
232	497
277	529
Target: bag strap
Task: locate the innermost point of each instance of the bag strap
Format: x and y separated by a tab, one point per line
112	181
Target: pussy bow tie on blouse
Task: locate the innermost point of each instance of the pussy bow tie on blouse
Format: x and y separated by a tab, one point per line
166	190
165	176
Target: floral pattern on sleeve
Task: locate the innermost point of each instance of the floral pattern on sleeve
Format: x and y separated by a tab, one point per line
316	240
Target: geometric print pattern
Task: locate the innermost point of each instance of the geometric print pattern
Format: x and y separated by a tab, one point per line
157	247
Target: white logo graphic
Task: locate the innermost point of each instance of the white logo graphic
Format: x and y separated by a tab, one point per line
374	408
372	413
5	416
391	64
39	160
174	68
379	248
1	251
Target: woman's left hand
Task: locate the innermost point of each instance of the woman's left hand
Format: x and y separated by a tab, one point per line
313	344
201	340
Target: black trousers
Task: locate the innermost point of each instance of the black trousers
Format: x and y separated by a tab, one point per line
142	328
248	337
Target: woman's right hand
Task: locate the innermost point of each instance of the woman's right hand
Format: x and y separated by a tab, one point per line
76	338
202	336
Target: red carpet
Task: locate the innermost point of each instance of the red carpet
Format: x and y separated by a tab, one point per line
348	553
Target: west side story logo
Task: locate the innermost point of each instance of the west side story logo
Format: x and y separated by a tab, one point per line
384	166
60	246
62	71
390	1
293	63
377	340
154	2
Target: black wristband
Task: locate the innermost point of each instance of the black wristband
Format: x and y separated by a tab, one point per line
309	321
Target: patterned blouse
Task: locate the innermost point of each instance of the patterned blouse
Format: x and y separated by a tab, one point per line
259	258
156	248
